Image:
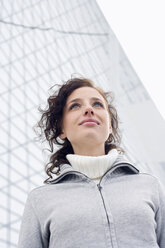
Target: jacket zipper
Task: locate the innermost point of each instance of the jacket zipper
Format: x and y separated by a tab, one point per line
99	188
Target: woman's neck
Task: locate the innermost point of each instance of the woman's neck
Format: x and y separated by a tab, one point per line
89	150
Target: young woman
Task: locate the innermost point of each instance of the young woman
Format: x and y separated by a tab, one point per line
93	197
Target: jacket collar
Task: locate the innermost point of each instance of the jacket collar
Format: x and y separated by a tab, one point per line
121	163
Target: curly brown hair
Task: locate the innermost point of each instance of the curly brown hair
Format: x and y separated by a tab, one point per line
51	122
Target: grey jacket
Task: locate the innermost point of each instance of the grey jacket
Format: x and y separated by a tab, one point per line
125	210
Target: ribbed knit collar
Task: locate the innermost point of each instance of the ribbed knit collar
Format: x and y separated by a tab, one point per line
93	166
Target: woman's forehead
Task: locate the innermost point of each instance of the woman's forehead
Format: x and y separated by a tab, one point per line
85	92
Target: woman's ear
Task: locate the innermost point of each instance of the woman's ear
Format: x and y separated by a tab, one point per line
110	129
62	135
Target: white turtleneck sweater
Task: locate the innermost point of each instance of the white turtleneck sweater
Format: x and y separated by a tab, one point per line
93	166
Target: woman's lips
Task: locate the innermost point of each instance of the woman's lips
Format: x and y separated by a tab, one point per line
90	120
89	123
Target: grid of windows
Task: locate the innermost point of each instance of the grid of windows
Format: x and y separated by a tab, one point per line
43	43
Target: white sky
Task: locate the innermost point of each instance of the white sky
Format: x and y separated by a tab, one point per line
139	26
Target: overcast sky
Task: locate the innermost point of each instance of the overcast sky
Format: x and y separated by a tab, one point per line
140	28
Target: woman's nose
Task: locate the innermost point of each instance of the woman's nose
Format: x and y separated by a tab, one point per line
89	111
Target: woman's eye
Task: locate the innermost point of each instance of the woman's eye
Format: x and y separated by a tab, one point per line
98	104
75	105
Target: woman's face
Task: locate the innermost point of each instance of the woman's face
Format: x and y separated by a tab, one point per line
86	119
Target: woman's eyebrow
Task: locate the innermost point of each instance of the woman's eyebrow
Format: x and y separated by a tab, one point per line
97	99
80	99
75	100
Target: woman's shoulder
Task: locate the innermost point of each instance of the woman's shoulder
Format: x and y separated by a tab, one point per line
149	176
153	181
40	192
